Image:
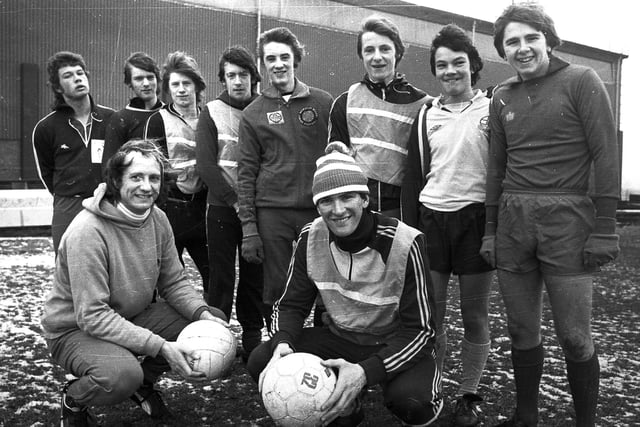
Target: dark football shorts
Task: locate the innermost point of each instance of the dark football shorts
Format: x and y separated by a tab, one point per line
454	239
543	231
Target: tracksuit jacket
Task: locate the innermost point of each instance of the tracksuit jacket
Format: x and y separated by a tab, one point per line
376	288
280	142
63	155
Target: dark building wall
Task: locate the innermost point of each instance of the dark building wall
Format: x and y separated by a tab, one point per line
105	32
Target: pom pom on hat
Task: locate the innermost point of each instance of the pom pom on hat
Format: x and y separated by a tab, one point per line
337	173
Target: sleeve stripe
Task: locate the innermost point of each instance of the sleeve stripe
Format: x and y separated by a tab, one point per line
35	152
420	341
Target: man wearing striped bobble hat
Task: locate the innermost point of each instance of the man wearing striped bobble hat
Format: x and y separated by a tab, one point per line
372	273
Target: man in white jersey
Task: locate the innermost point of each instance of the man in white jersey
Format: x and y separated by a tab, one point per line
443	196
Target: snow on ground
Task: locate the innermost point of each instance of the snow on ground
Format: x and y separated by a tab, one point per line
29	382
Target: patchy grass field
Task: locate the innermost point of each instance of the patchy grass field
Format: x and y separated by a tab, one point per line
29	382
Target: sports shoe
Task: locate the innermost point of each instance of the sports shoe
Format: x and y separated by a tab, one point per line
150	400
73	414
466	411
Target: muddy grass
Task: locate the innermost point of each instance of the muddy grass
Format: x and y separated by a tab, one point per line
29	382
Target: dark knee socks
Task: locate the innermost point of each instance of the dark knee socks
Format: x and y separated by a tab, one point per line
584	381
527	370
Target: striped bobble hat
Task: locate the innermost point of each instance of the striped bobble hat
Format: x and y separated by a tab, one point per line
337	173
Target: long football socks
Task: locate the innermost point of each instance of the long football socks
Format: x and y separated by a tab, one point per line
474	358
527	371
584	381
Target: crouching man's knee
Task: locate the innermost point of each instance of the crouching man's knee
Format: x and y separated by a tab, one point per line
116	385
258	360
413	395
415	412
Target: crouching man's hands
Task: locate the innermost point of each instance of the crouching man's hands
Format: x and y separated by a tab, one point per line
351	381
178	356
207	315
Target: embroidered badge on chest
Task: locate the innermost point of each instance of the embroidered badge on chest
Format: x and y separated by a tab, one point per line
275	118
308	116
483	125
510	116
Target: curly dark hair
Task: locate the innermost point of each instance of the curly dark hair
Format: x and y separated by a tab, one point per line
57	61
453	37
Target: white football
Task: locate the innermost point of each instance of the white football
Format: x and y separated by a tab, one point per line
214	346
294	389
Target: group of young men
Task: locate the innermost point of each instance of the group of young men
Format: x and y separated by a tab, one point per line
361	207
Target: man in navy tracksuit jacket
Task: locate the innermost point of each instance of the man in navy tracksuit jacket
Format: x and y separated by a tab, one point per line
68	143
281	135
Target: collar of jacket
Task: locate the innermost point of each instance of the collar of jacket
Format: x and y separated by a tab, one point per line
398	91
398	80
65	108
300	90
139	104
172	109
477	94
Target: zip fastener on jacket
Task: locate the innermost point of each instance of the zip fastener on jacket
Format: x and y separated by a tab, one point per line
350	265
84	138
287	105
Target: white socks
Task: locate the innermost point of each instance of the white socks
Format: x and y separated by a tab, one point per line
474	358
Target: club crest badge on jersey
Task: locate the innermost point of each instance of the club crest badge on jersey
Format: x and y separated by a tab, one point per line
308	116
483	125
275	118
510	116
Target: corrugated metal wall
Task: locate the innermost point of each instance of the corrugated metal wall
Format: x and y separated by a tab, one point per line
105	32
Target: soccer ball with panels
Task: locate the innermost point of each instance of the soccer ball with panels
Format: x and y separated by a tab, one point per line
295	387
214	345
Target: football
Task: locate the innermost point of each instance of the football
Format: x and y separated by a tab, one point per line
294	389
214	345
